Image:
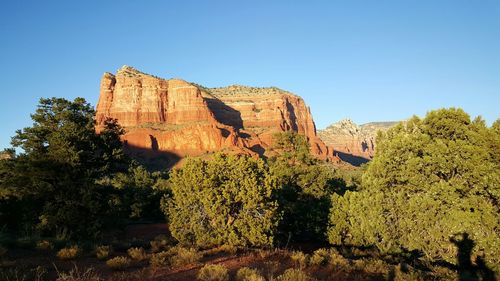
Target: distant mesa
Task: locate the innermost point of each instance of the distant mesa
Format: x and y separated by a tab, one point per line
171	119
353	143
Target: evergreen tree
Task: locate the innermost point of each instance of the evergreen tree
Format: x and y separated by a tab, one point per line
430	179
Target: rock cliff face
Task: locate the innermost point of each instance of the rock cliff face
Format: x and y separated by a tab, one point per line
174	118
353	143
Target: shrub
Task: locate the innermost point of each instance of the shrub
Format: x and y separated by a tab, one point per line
62	140
103	252
319	257
183	256
226	200
336	260
292	274
159	243
249	274
160	259
306	186
213	272
44	245
371	265
118	263
299	258
15	273
138	254
79	275
432	187
68	253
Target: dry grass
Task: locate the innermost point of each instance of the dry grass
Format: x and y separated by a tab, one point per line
68	253
213	272
119	263
103	252
137	254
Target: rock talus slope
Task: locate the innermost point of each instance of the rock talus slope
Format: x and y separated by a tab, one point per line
171	119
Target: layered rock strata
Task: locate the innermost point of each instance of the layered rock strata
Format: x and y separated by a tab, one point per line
177	118
353	143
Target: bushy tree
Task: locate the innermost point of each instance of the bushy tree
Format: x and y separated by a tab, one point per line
305	187
225	200
430	180
140	192
53	185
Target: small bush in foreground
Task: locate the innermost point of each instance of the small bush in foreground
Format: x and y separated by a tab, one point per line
292	274
249	274
76	275
160	259
159	243
118	263
68	253
213	272
336	260
138	254
299	258
319	257
184	256
103	252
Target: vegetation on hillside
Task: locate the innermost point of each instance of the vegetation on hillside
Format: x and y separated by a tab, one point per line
425	208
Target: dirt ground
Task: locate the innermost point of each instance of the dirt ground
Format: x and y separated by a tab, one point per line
268	262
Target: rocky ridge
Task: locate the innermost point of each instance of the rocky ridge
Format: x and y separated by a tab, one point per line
171	119
353	143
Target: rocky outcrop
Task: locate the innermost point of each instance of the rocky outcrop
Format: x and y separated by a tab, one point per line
175	118
353	143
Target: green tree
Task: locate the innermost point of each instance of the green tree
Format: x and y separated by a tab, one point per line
140	193
305	187
226	200
52	186
430	179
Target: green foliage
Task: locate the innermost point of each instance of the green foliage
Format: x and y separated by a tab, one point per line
431	179
213	272
305	187
227	200
140	192
52	187
119	263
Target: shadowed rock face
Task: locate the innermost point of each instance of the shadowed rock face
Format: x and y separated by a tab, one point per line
185	119
354	143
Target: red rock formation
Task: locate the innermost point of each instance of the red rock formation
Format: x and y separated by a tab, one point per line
183	119
354	144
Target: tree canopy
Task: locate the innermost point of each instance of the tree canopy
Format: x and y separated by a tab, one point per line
430	179
53	183
224	201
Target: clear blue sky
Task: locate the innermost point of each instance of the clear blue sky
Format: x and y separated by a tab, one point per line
370	60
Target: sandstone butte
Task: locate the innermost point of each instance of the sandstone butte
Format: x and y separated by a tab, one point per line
168	120
354	143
